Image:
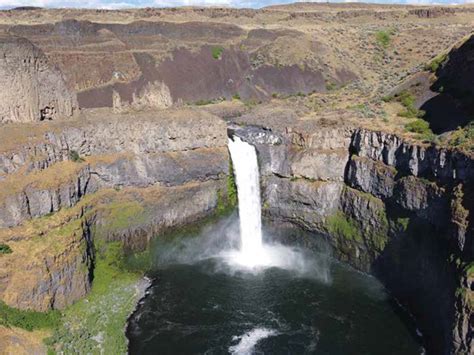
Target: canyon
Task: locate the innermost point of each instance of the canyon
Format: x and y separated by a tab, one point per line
115	128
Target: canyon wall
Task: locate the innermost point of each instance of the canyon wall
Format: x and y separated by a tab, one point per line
390	207
66	187
34	90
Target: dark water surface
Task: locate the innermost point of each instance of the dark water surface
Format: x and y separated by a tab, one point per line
201	307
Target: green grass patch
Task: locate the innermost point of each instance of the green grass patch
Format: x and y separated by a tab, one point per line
29	320
5	249
408	102
95	324
217	52
231	186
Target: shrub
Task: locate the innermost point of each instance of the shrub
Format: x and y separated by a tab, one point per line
330	86
469	269
217	52
203	102
5	249
408	101
434	64
463	137
75	157
418	126
236	96
364	110
383	38
411	113
403	223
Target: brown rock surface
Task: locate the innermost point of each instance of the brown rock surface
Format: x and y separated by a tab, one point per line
32	89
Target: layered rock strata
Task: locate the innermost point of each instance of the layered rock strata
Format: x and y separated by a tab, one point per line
34	90
119	178
397	209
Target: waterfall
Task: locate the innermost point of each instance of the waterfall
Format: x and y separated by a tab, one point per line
244	159
254	255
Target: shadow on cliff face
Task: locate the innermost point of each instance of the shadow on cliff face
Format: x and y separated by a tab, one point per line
416	270
444	113
454	105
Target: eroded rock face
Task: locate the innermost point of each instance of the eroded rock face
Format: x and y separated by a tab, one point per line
121	178
32	90
52	267
50	273
122	151
388	206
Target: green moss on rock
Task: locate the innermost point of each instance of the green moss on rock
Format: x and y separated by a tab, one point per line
402	223
340	225
120	215
231	185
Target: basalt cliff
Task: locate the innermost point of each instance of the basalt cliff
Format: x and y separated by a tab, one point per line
114	127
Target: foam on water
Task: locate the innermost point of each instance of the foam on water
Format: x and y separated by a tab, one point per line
249	340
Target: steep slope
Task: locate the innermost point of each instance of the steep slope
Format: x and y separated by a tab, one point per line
453	106
36	91
390	207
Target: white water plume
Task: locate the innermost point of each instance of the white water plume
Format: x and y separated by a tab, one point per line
237	244
244	160
254	255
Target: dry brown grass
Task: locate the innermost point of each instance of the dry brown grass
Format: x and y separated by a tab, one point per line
16	341
53	177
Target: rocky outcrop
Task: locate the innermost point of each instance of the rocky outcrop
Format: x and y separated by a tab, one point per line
49	270
67	187
154	210
36	91
102	134
52	263
113	153
388	206
432	12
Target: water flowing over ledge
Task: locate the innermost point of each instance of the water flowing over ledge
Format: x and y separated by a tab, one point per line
255	255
